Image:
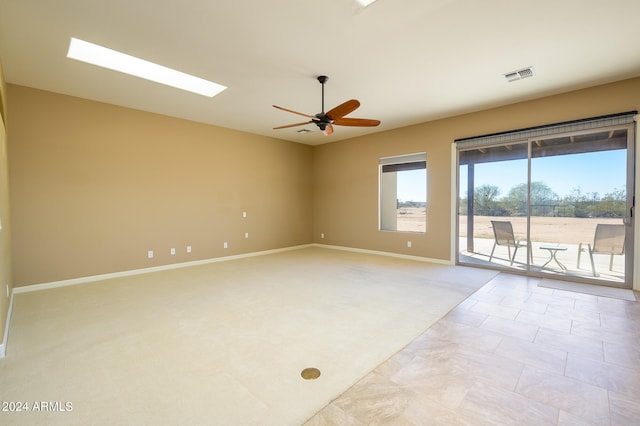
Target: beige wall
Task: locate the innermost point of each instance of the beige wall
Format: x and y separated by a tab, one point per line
346	173
5	232
94	186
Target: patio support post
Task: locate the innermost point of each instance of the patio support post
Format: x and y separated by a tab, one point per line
470	201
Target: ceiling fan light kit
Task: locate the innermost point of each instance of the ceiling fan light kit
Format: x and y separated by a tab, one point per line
335	116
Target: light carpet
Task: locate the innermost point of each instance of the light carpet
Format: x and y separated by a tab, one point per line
222	343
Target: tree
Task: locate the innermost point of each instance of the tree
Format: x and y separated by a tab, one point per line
613	204
580	203
485	197
543	199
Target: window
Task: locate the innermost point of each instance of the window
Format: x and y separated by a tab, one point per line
403	193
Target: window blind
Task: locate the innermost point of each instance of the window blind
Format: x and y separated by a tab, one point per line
546	130
404	167
404	162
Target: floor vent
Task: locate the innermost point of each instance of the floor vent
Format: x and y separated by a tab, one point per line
310	373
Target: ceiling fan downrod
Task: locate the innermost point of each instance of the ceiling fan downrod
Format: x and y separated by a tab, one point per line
322	79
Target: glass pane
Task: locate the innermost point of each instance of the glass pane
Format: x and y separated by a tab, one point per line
578	183
403	197
493	206
412	200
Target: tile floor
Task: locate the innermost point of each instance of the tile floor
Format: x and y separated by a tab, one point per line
513	353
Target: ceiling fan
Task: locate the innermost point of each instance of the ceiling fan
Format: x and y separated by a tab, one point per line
326	120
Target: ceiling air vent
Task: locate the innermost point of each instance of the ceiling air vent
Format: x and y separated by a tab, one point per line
519	75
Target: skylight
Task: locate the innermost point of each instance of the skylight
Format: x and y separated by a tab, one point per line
121	62
365	3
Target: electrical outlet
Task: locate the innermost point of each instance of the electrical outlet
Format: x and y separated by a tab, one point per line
150	254
225	245
246	235
408	243
173	251
188	249
244	214
322	236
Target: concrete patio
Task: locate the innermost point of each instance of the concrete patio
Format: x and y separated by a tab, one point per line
568	257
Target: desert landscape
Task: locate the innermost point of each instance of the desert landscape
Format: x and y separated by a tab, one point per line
559	230
412	219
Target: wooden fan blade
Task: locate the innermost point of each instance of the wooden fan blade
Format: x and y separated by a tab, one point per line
292	125
343	109
356	122
328	130
295	112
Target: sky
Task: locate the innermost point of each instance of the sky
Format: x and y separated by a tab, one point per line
600	172
412	185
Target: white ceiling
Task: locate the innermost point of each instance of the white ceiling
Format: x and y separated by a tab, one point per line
407	61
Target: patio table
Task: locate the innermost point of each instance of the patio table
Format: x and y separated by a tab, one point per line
553	250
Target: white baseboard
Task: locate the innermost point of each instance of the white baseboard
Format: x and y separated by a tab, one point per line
386	253
102	277
94	278
3	345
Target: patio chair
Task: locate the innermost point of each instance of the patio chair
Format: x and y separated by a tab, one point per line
608	239
503	234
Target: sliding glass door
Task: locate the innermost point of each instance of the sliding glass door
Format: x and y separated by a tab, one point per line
559	204
487	199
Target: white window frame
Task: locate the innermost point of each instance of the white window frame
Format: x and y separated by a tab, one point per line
388	187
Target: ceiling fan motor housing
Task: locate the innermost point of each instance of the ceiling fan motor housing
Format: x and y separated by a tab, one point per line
323	121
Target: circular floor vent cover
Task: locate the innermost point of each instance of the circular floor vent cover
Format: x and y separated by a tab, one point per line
310	373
